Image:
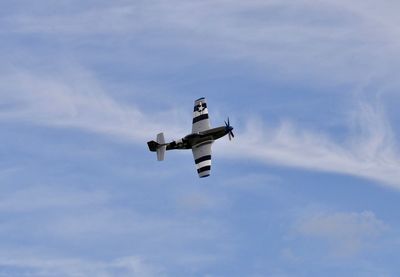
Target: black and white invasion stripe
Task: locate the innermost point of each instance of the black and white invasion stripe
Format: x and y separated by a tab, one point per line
203	165
200	118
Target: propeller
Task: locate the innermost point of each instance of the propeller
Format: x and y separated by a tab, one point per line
229	129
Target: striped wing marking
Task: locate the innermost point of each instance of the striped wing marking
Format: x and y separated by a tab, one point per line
202	159
201	121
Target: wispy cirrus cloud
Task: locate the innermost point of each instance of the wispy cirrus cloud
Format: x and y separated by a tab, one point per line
346	233
26	264
62	62
327	41
370	151
44	198
336	42
75	100
104	232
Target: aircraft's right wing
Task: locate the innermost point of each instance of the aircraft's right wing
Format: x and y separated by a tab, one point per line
202	158
201	122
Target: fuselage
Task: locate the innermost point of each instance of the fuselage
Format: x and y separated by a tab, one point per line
194	139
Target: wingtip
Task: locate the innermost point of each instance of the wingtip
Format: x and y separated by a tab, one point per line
201	98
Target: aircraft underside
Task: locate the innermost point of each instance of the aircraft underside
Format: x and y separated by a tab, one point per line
189	141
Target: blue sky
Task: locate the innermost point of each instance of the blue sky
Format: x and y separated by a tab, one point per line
308	187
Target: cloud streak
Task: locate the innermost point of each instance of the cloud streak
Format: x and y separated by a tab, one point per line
325	41
347	233
273	34
370	152
78	101
26	264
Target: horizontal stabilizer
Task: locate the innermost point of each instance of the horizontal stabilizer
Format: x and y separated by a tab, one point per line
161	147
160	138
161	152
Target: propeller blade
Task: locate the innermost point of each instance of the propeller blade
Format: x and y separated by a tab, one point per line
229	128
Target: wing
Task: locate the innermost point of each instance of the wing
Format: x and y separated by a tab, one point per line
202	158
201	122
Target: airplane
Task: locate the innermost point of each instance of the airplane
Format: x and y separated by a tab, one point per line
200	140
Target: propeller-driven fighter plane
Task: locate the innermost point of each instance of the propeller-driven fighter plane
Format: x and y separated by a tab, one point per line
200	140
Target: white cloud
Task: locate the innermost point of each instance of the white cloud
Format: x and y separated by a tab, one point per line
75	100
95	223
197	201
302	40
78	101
369	152
25	264
329	41
347	233
42	198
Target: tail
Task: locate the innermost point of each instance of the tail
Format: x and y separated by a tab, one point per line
158	146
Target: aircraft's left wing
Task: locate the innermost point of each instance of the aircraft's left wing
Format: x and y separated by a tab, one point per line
202	158
201	122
